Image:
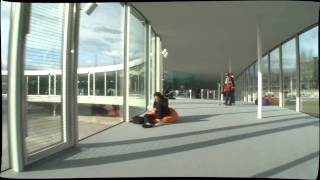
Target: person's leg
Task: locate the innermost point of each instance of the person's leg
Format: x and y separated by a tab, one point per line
232	97
229	98
225	98
149	118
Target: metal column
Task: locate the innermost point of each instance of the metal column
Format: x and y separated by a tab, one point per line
259	49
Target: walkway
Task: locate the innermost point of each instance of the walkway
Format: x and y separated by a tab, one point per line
206	142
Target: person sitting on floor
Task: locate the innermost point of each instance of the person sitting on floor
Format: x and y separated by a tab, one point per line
159	110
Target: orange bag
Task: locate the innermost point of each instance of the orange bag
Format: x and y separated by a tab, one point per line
172	117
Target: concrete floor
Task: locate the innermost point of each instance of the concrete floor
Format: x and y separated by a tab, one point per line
209	140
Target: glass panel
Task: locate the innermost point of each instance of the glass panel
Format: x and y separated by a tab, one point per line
252	82
275	76
58	84
152	67
92	83
5	24
255	80
32	84
137	66
52	86
309	72
110	83
265	75
99	78
289	71
83	84
100	51
43	52
44	84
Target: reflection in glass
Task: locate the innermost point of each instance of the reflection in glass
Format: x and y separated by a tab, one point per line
137	66
275	76
99	82
43	51
309	72
32	84
44	85
265	75
101	56
83	84
289	71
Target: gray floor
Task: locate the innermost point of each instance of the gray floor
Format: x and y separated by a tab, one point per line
209	140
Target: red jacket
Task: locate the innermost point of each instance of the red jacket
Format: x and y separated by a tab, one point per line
227	87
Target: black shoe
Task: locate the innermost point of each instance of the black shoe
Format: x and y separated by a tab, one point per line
147	125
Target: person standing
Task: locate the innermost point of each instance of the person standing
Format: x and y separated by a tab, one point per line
227	88
232	89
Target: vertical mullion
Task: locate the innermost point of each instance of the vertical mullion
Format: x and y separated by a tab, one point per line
298	97
73	126
88	83
105	83
147	71
126	64
38	85
49	85
259	52
20	13
281	77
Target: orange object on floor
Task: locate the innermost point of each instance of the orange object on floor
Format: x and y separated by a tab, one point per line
172	117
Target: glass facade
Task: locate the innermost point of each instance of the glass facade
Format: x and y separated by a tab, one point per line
274	76
43	52
101	48
273	71
289	71
101	74
265	75
137	64
309	71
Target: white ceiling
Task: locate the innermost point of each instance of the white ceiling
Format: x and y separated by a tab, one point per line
202	37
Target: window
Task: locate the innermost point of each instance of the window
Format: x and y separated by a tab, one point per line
101	51
43	51
275	76
289	71
265	75
309	72
137	65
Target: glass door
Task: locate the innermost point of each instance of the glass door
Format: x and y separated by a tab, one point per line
44	126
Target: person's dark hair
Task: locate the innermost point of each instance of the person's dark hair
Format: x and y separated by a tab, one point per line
158	94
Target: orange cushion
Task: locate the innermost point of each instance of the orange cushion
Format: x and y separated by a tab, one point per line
172	117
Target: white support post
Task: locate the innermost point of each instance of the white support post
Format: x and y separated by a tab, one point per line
298	74
259	49
190	91
88	84
214	95
105	84
38	85
126	117
207	93
281	79
55	84
94	84
157	64
116	83
201	94
49	85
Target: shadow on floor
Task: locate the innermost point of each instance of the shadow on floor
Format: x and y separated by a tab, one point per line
60	161
286	166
